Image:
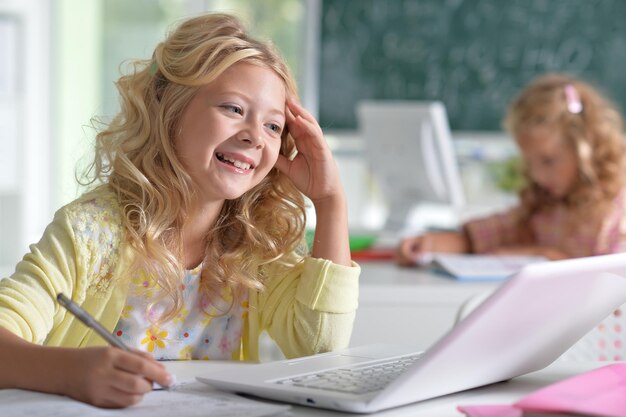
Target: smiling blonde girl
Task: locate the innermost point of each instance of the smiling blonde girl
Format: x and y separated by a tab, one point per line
190	243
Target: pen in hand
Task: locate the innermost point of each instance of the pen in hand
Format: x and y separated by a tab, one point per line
90	322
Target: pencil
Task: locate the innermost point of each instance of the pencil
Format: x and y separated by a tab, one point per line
90	322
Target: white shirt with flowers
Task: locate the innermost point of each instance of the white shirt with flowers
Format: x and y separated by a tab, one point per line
191	334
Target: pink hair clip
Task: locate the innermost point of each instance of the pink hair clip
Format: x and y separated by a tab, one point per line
574	105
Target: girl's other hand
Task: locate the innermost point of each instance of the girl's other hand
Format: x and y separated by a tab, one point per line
112	378
412	250
313	170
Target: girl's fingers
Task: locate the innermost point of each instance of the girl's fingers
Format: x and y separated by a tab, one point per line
122	399
131	384
144	366
297	109
407	249
309	129
289	115
299	121
148	356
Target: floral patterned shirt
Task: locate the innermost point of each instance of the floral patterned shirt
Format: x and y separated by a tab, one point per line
198	331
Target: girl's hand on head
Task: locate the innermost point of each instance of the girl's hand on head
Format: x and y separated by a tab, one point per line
313	170
314	173
112	378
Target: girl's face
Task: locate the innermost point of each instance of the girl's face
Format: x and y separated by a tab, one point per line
231	131
551	161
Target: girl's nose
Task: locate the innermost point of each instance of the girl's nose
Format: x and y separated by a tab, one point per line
542	179
251	135
254	141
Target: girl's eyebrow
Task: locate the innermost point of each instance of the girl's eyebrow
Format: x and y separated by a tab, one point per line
277	112
222	95
274	111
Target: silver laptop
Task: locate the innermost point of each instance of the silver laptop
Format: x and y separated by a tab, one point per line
527	323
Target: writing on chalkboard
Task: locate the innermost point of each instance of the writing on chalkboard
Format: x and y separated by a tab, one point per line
473	55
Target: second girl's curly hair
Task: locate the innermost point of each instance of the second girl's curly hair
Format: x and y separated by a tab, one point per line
136	157
591	125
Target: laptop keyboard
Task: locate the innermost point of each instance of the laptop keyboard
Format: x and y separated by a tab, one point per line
357	379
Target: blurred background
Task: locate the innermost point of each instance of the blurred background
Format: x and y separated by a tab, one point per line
60	58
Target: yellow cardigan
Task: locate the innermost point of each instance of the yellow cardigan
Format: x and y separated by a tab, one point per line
306	309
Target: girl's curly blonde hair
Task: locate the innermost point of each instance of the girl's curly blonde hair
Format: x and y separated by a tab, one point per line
136	157
594	128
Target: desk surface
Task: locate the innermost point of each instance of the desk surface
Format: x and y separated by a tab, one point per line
204	399
415	284
502	393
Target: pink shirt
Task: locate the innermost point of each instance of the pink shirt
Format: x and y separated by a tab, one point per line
549	229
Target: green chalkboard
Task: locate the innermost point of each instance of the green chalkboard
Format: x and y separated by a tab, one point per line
474	55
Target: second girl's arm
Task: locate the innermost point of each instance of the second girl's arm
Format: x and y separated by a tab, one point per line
551	253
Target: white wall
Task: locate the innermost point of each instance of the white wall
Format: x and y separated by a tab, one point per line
25	205
77	30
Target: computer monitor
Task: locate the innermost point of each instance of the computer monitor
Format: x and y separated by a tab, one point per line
409	147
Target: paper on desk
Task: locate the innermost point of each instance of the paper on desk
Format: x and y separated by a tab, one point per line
599	392
192	399
472	267
14	402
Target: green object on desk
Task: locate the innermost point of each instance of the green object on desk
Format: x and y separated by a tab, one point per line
361	242
357	241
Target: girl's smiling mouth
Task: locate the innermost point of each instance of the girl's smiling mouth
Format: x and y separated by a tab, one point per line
240	162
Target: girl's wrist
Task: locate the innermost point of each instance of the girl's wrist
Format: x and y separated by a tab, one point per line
334	202
41	369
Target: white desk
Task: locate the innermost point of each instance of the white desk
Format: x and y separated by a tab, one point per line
32	403
502	393
408	306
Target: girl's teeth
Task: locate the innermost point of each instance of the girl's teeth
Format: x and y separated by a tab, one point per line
238	164
241	165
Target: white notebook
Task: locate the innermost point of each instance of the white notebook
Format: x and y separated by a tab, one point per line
465	267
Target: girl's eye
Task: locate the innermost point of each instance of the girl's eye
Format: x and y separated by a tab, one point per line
233	109
274	128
